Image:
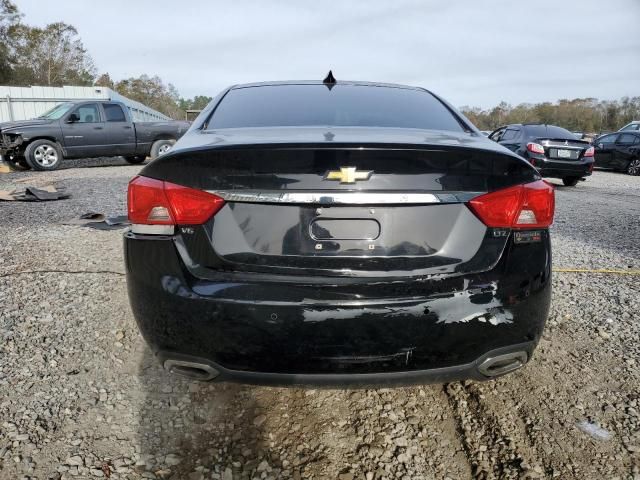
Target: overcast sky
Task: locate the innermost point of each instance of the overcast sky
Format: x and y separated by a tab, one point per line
472	53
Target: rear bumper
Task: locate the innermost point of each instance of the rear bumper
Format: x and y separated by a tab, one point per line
256	329
475	370
560	169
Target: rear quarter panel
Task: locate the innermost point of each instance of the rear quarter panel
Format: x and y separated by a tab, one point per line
149	132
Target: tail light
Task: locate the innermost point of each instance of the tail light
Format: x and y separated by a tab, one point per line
524	206
535	148
589	152
156	202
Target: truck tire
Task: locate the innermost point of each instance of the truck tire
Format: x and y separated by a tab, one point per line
570	181
136	159
20	162
43	155
160	147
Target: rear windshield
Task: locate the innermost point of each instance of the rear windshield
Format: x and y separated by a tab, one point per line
342	105
549	131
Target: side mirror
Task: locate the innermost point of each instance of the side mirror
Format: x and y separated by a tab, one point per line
73	118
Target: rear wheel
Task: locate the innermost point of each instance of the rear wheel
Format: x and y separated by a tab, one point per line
570	181
135	159
43	155
160	147
634	167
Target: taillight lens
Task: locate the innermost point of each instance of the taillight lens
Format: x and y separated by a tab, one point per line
156	202
524	206
589	152
535	148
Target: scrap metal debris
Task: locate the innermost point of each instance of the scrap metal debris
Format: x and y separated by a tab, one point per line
99	221
33	194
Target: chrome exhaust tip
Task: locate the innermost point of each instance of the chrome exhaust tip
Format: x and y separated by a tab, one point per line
193	370
501	364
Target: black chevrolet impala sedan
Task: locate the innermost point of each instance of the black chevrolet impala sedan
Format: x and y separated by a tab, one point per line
338	233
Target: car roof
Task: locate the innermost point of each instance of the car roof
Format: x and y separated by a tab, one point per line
319	82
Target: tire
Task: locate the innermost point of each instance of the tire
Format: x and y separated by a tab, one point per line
135	159
43	155
23	163
570	181
634	167
20	162
160	147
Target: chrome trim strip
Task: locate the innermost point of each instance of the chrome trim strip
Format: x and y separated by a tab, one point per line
325	198
152	229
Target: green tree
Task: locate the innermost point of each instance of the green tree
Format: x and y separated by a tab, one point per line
153	92
199	102
9	18
53	55
580	114
104	80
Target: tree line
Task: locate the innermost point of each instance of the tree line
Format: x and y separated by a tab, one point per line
54	55
588	115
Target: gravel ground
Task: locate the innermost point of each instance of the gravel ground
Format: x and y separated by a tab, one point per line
81	396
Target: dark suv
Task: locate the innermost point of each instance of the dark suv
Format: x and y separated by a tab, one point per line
554	151
619	151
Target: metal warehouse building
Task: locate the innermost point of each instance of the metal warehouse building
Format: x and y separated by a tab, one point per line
23	103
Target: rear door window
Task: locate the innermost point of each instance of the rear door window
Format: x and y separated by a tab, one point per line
626	139
114	113
346	105
608	138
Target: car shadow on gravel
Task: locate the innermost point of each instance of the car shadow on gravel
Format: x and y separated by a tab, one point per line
189	430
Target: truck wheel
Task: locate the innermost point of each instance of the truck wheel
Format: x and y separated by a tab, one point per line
136	159
43	155
570	181
160	147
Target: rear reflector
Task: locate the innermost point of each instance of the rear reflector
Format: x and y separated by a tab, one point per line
524	206
589	152
535	148
156	202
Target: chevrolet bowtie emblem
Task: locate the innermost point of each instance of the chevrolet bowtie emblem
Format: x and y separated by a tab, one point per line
348	175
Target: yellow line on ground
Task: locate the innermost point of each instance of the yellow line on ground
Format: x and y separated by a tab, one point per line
597	270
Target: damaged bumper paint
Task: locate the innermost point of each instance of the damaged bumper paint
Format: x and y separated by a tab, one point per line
258	325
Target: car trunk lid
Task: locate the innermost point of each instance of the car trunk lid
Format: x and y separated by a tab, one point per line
563	149
370	208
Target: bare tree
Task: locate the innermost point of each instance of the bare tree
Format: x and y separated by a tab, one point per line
53	55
